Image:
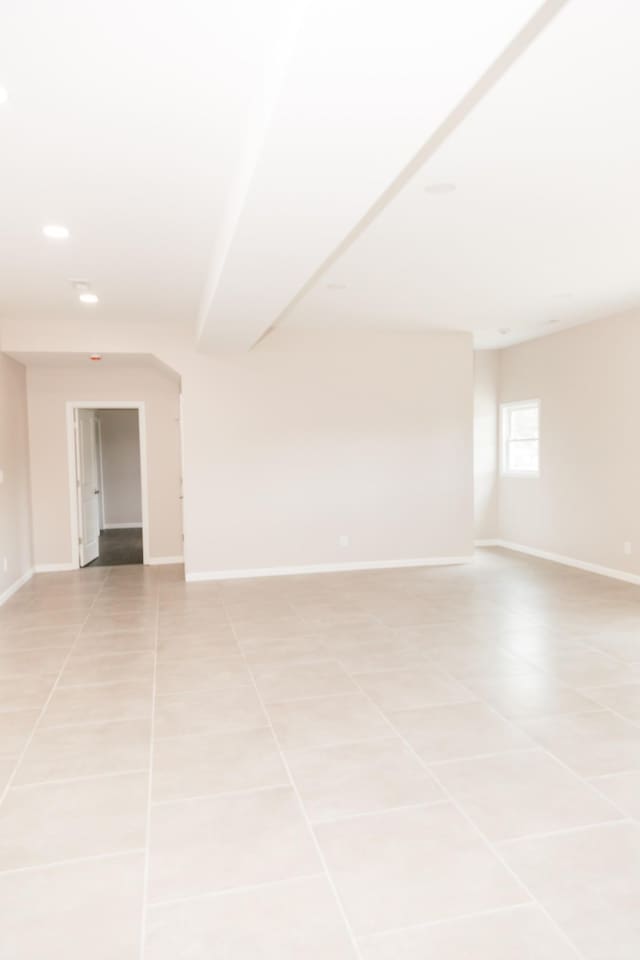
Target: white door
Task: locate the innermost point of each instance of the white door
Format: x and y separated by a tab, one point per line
88	489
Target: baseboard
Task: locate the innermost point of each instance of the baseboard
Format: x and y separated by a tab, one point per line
15	586
570	562
245	574
53	567
159	561
122	526
487	543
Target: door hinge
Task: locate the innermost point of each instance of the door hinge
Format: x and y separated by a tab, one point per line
80	540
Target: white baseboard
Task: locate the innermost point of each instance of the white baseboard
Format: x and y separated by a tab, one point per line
159	561
53	567
570	562
15	586
122	526
244	573
487	543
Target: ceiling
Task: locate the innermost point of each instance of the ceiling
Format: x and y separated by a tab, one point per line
541	230
84	361
125	122
225	168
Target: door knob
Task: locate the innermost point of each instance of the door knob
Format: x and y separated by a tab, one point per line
96	491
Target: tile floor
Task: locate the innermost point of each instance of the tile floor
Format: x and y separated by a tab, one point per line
395	765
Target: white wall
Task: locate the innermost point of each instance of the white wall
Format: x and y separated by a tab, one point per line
485	444
15	512
312	436
120	454
586	502
49	388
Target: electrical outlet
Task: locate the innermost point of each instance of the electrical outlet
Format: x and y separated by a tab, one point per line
626	546
5	564
343	540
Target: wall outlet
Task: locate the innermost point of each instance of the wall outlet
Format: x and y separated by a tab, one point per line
343	540
5	564
626	546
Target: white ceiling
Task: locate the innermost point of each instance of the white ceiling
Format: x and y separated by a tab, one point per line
125	122
541	231
210	160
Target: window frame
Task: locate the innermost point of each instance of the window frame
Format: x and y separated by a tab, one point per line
505	410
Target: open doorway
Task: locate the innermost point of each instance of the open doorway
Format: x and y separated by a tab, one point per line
109	484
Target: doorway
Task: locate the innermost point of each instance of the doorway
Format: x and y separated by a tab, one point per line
109	490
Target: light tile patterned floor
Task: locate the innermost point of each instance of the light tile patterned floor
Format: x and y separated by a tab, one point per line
391	765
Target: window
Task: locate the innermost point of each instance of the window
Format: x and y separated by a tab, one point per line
521	438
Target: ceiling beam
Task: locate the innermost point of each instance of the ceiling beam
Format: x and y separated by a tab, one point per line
355	98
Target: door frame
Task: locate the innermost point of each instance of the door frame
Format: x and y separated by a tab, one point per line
74	506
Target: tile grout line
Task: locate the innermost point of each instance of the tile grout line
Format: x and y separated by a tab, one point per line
394	732
230	891
303	812
54	687
513	722
629	771
543	749
428	924
564	831
147	845
82	778
485	840
51	864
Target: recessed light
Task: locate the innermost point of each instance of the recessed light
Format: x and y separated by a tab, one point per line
95	356
88	298
55	231
439	189
504	331
4	94
336	286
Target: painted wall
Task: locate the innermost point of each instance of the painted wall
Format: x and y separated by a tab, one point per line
485	444
120	448
15	511
586	502
311	436
49	388
317	435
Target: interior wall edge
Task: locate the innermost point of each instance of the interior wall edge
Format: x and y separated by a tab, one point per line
16	585
248	573
596	568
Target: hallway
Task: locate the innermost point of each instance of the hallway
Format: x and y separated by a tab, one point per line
118	548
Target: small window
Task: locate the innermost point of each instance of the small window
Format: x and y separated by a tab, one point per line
521	438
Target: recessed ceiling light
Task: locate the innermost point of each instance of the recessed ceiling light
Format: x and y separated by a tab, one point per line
95	356
4	94
439	189
336	286
88	298
55	231
504	331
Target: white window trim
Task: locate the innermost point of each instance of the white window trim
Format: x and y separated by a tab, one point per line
505	408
